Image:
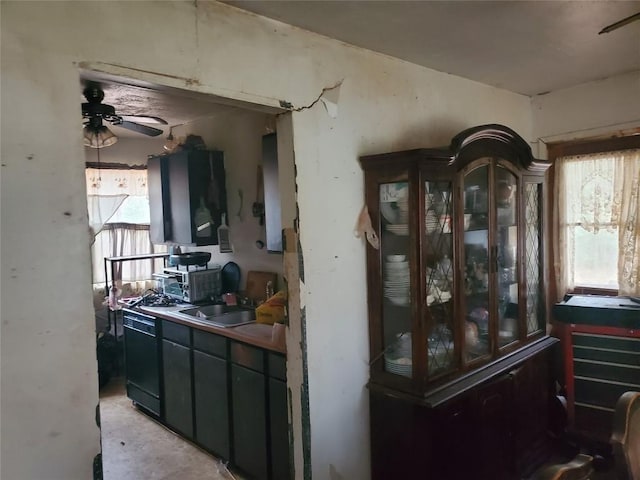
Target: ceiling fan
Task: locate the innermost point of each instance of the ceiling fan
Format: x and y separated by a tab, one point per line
97	135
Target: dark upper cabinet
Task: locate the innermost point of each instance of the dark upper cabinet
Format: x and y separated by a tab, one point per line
272	210
187	197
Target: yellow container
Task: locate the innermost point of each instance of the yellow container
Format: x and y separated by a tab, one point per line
272	311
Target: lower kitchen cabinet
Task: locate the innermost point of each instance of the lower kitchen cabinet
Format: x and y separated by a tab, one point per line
178	400
279	431
211	402
249	421
228	397
260	418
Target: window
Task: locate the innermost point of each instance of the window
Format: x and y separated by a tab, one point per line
118	204
597	224
589	219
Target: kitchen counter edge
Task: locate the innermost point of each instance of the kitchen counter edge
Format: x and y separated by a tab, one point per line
256	334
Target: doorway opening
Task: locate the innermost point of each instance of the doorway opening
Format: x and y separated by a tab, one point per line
121	210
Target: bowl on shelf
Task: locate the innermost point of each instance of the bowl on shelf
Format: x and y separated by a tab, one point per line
399	366
401	301
396	258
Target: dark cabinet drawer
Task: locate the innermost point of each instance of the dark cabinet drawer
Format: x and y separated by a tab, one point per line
247	356
143	399
176	332
210	343
277	366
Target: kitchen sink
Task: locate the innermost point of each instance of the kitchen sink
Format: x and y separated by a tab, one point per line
221	315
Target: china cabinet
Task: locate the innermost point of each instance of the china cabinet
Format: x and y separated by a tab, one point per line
458	347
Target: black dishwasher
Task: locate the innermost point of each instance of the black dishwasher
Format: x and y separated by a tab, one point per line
141	351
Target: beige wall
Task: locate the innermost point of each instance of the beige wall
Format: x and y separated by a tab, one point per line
592	109
49	381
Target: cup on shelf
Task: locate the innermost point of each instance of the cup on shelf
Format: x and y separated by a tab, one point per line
445	223
467	220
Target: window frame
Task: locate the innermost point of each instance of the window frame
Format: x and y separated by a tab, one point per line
583	147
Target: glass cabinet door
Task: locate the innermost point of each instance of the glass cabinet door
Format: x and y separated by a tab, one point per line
533	260
475	263
507	253
437	251
394	247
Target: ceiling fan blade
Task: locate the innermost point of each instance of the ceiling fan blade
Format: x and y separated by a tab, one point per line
136	127
620	23
145	119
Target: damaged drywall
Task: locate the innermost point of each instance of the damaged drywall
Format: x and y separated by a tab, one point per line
329	97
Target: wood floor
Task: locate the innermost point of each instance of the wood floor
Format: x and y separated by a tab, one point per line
134	447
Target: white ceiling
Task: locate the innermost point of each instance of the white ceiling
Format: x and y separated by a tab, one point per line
528	47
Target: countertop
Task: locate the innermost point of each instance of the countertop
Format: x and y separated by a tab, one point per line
598	310
257	334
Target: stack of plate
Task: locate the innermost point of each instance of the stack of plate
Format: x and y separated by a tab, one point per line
399	366
396	281
396	213
403	211
428	201
398	229
431	223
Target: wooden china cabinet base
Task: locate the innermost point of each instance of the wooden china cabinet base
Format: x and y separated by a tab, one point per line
495	427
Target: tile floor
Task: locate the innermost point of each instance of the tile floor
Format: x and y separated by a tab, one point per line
134	447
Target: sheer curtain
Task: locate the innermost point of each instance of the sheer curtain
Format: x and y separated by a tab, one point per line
598	228
629	232
119	216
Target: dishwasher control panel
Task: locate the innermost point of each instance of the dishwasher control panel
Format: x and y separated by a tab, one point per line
140	322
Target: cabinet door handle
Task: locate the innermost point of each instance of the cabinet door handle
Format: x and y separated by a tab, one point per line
494	258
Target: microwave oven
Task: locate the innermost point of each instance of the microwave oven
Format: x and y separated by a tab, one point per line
191	285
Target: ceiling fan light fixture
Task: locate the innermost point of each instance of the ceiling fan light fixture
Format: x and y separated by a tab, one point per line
171	144
98	137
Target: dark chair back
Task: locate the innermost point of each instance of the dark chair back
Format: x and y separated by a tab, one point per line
580	468
625	438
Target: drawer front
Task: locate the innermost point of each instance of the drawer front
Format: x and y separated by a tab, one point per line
247	356
607	342
176	332
599	392
277	366
143	399
607	355
614	372
210	343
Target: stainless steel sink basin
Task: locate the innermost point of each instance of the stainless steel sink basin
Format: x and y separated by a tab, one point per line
221	315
